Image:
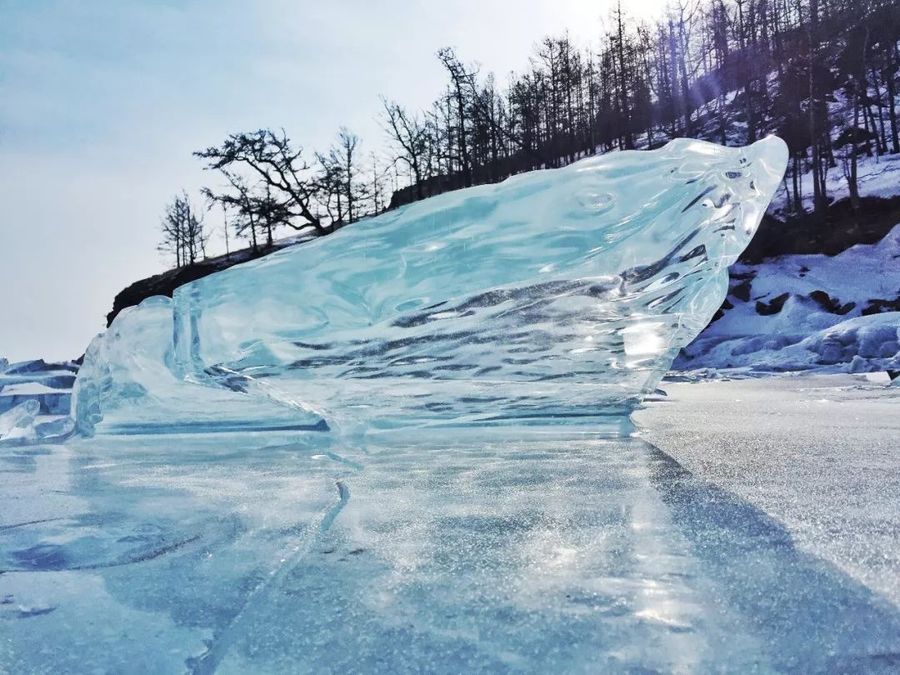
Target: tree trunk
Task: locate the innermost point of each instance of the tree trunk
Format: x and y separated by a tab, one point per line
882	150
820	200
623	95
852	183
892	111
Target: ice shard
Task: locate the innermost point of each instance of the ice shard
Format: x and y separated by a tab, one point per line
554	294
17	424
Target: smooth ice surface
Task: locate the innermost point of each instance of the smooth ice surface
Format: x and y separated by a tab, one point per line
482	550
560	293
818	453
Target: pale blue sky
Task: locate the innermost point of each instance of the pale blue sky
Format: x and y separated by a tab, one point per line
101	104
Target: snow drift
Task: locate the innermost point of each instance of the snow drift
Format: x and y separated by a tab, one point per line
800	312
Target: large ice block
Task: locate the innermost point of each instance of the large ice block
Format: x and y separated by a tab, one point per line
555	294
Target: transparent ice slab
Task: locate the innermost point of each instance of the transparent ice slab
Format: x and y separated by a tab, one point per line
18	423
400	449
555	294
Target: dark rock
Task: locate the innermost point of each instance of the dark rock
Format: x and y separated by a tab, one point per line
773	306
836	229
878	306
166	283
853	136
829	304
742	291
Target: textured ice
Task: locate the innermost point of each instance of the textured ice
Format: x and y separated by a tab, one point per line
555	293
477	550
17	423
24	425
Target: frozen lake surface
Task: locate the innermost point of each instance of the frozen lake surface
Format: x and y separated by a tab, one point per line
819	453
751	535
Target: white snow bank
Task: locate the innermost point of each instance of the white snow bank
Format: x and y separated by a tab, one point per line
855	341
832	309
861	344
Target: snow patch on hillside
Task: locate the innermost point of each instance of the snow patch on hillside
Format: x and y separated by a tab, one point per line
876	177
799	312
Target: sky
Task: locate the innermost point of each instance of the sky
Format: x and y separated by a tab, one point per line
102	104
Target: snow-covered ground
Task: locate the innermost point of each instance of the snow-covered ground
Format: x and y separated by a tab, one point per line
813	312
801	312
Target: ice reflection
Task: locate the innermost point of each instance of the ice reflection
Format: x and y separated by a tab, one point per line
510	549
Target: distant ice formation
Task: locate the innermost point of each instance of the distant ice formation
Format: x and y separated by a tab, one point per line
555	294
34	401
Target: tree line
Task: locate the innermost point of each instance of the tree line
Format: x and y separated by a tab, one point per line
822	74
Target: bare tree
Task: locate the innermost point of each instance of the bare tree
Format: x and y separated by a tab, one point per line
182	231
340	185
257	208
278	165
410	138
461	90
376	184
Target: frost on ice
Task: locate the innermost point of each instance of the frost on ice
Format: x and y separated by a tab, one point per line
555	293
